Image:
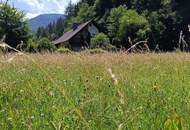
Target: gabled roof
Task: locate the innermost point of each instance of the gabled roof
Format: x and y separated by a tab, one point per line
68	35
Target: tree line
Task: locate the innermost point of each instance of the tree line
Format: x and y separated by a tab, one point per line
163	23
158	21
53	30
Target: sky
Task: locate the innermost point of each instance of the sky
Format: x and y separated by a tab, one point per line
37	7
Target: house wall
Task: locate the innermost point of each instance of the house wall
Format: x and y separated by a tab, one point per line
93	30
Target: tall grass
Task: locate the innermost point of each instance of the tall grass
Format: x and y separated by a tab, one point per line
106	91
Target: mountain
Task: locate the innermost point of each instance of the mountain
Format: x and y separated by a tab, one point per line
44	20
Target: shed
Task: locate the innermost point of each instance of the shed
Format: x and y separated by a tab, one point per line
78	37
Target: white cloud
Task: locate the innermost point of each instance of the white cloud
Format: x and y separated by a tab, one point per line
31	15
45	6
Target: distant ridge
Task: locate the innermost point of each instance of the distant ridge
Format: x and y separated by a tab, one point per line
44	20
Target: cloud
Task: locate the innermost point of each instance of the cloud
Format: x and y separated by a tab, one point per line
36	7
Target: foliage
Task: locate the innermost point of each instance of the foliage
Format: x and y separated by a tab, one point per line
96	51
85	13
133	25
110	47
100	40
164	20
13	25
53	30
45	44
32	45
64	51
113	23
39	45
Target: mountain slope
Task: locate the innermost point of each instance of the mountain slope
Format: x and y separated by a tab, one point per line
44	20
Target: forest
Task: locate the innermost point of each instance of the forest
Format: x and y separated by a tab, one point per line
164	24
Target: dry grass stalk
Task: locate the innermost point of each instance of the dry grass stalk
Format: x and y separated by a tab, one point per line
120	127
133	48
114	79
182	44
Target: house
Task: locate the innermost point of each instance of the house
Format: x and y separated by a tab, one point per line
78	37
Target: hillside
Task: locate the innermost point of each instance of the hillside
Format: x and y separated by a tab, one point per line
43	20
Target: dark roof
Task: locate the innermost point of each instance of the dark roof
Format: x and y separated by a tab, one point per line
68	35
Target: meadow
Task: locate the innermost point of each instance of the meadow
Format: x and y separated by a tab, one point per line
98	92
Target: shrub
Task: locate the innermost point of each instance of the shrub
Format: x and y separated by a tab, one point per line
64	51
32	45
39	45
45	44
96	51
99	41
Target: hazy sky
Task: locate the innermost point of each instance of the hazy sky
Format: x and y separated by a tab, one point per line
36	7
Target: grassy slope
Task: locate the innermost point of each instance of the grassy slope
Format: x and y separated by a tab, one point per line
77	92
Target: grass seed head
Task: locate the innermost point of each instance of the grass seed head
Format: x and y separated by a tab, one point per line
120	127
114	79
3	45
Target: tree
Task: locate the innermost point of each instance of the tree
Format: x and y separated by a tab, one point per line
102	6
53	30
113	23
160	21
71	9
85	13
134	26
13	25
60	26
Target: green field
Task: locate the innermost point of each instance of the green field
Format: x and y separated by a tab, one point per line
78	92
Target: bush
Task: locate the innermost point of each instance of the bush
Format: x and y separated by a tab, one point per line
99	41
45	44
96	51
32	45
39	45
64	51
